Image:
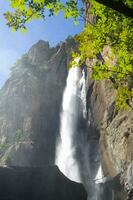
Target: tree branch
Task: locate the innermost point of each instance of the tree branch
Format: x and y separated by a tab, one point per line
118	6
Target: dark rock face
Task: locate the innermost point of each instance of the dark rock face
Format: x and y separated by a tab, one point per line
30	104
38	183
114	129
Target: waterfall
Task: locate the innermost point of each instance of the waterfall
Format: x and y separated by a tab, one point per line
100	178
72	149
69	152
65	156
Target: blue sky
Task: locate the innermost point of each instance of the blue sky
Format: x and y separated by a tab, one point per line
14	44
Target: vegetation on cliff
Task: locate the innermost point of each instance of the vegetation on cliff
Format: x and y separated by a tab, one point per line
108	27
112	30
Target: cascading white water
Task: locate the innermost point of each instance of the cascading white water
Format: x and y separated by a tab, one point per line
72	155
83	94
100	178
73	107
65	156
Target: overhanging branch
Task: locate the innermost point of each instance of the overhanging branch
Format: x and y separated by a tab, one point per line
118	6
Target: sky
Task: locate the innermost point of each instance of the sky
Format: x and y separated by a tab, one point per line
14	44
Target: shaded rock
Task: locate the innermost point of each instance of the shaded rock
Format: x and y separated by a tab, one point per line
38	183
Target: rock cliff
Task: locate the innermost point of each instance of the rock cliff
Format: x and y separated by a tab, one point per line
115	130
30	104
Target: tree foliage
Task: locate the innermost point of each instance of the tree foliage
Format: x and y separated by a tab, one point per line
113	30
122	6
26	10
